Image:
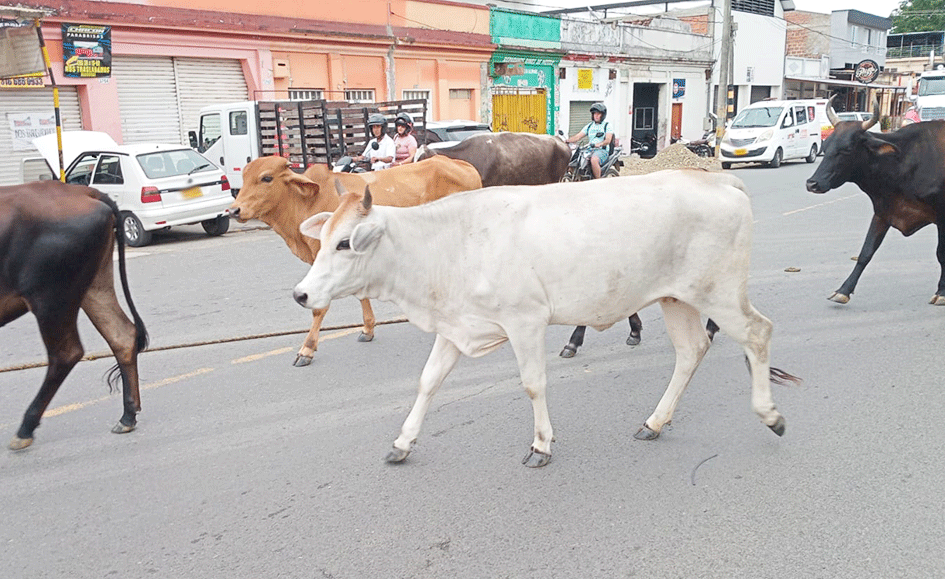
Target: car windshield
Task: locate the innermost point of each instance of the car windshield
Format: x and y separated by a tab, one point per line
932	86
174	163
459	133
757	117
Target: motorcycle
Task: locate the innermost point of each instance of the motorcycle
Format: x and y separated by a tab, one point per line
347	164
704	147
645	147
579	167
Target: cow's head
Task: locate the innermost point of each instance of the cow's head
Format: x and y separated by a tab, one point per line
268	184
849	152
346	236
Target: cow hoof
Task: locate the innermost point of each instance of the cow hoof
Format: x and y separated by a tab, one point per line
396	455
20	443
301	360
839	298
646	433
535	458
937	300
122	428
633	339
568	352
362	337
778	427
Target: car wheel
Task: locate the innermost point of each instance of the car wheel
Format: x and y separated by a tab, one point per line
813	154
135	234
726	165
217	226
776	160
612	172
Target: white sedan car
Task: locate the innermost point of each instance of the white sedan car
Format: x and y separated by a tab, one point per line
156	186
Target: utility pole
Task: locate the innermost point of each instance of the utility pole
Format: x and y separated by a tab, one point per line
723	66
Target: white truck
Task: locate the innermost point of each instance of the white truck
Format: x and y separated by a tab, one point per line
928	94
304	132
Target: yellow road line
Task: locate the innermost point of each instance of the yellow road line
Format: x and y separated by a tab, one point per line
819	205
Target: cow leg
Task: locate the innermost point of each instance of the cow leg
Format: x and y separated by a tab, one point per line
684	327
874	238
752	330
11	307
442	359
939	298
367	334
310	345
576	341
102	307
64	350
527	344
636	326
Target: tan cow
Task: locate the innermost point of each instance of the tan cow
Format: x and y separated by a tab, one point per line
283	199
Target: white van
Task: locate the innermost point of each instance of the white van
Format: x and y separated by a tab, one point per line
771	131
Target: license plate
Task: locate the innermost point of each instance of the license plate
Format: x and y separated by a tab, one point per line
740	152
191	193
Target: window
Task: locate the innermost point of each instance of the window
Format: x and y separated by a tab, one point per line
209	131
81	174
461	94
853	30
762	7
238	123
800	113
360	96
108	171
643	118
315	94
418	94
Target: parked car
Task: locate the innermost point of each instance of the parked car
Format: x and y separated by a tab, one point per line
447	133
772	131
860	116
156	186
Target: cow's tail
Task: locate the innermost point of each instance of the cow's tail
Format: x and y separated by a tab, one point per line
141	333
778	376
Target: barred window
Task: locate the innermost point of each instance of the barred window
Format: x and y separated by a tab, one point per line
762	7
360	96
306	94
418	94
461	93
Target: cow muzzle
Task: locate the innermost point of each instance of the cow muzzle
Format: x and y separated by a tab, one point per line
814	187
301	298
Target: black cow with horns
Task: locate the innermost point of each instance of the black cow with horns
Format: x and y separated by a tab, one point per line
56	247
902	172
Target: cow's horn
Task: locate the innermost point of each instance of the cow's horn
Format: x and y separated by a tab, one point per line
831	115
339	188
875	118
366	202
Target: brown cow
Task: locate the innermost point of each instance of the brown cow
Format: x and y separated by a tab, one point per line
509	158
56	245
281	198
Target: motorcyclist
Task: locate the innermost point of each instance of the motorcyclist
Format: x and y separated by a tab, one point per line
383	155
405	144
599	135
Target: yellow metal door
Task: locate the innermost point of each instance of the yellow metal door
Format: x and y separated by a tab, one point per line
520	110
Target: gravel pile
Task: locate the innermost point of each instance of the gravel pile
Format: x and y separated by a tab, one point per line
672	157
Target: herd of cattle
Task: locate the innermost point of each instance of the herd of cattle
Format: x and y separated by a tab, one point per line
509	259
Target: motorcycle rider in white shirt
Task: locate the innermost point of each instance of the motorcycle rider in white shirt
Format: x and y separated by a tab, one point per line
380	149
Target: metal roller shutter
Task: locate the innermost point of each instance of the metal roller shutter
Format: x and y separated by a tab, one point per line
147	99
206	81
579	114
29	101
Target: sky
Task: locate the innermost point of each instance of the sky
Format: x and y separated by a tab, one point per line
876	7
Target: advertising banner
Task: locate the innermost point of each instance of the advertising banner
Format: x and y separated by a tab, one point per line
87	50
679	88
24	127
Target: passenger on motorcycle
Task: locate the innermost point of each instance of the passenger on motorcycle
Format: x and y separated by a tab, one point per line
405	144
599	135
382	155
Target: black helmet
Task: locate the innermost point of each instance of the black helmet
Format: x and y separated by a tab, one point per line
376	119
599	108
403	119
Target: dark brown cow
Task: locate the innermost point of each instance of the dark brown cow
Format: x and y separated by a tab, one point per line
509	158
56	244
902	172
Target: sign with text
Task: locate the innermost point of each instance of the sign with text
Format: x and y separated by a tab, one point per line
86	50
866	71
585	78
679	88
24	127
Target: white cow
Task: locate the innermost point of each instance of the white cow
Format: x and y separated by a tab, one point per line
501	264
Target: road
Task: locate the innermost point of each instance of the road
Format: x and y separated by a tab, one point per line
246	467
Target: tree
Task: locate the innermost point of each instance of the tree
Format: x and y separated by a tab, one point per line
919	16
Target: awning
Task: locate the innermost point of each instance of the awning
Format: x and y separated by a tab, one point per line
838	82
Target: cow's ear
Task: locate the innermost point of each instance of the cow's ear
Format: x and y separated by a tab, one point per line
312	227
364	236
880	147
305	186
